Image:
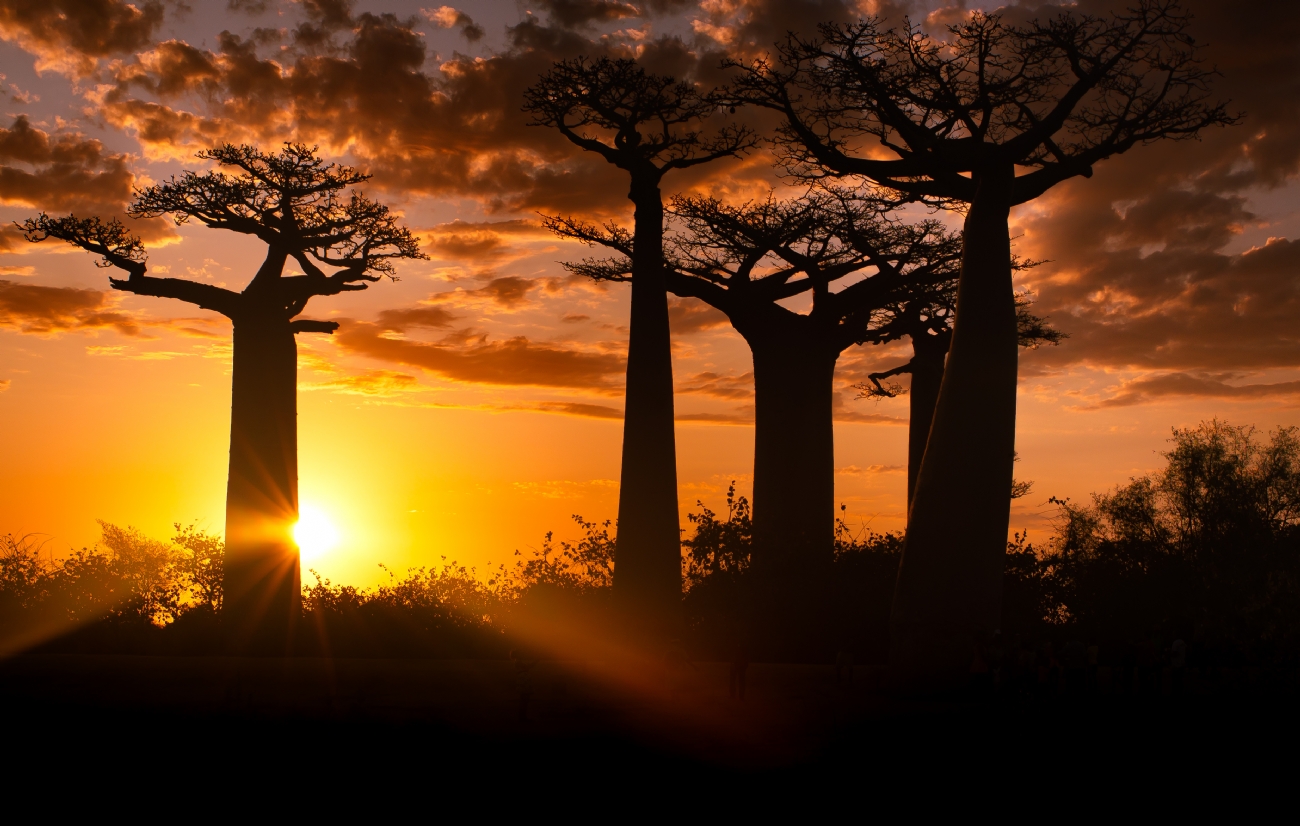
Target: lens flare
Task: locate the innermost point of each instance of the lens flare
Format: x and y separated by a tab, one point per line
314	533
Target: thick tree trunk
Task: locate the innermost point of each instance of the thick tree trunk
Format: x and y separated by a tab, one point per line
647	570
948	596
794	486
928	353
262	594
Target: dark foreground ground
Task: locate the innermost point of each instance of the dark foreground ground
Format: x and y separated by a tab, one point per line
329	723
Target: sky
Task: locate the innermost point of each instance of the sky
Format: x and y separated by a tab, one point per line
466	409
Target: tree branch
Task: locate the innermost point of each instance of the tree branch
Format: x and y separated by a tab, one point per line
308	325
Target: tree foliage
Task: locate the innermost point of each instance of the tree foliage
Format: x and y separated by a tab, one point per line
1054	96
1211	540
644	123
294	201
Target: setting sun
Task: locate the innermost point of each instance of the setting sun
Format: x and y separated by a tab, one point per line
314	533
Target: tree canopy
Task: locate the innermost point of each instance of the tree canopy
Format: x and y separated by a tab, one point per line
294	201
1053	97
640	122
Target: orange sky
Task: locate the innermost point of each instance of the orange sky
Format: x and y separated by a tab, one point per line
472	406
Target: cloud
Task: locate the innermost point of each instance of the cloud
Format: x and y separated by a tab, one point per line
41	310
250	7
30	308
869	470
445	17
687	316
363	84
843	412
1142	270
5	384
1177	309
69	36
577	13
1151	388
582	409
719	386
510	292
67	173
742	417
751	27
373	383
456	129
399	320
468	356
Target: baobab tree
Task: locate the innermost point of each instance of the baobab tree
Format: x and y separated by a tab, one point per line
990	117
648	126
926	316
746	260
297	204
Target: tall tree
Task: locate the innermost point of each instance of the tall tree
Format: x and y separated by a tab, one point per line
955	121
750	261
926	316
297	204
646	125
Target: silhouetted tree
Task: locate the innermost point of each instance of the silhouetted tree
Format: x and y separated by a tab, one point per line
295	203
745	261
926	317
647	125
1210	540
955	119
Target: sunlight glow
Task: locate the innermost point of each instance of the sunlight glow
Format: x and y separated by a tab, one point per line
314	533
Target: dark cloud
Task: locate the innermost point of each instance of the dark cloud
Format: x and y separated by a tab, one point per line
454	128
252	7
751	27
31	308
435	317
477	240
1150	388
445	17
1181	309
1139	270
509	291
70	35
574	13
469	356
65	173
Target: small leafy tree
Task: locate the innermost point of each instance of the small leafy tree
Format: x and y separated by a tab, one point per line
1213	539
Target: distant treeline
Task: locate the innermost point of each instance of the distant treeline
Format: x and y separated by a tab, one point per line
1206	549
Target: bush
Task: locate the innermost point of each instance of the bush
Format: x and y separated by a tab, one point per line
1209	544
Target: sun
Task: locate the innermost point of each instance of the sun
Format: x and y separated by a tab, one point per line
314	533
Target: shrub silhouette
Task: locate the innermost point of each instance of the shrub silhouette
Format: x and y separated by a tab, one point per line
129	581
1210	542
1206	548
